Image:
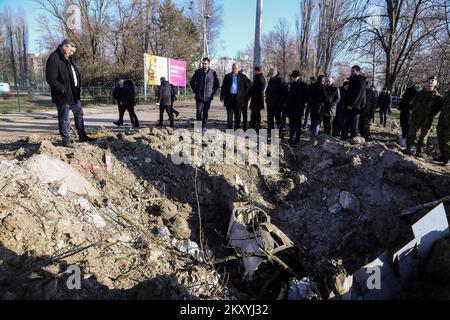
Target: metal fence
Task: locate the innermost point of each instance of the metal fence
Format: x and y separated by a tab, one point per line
28	99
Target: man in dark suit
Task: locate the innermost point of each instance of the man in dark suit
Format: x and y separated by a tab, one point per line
204	84
257	96
354	103
65	82
234	93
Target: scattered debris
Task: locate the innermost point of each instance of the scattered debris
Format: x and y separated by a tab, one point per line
137	215
251	232
304	289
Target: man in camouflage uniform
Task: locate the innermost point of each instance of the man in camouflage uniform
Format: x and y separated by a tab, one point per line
443	129
371	104
425	107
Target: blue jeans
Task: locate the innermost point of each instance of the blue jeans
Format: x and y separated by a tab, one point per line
315	127
63	121
202	112
383	117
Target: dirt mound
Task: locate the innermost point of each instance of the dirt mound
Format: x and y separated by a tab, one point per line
124	213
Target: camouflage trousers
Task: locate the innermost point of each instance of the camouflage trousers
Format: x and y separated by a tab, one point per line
424	125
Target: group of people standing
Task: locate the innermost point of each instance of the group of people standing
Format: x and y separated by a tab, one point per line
343	112
418	111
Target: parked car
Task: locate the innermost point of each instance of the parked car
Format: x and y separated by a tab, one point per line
4	88
396	102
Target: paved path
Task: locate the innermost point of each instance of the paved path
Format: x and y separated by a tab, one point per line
21	125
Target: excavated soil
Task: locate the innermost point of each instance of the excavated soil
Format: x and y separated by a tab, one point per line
124	208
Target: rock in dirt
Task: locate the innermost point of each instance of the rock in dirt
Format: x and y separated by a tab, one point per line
357	141
166	209
180	228
386	229
50	170
349	201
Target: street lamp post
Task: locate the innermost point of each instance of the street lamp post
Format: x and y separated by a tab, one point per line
258	27
205	18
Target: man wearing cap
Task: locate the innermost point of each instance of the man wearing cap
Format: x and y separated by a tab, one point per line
406	105
295	105
425	107
443	129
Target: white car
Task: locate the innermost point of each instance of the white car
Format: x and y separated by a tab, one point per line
4	88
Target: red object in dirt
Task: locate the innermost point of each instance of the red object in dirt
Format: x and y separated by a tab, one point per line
87	166
108	163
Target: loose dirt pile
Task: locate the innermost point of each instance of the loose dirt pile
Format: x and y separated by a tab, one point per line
121	211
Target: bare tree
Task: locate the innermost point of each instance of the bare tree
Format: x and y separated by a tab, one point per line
407	27
304	24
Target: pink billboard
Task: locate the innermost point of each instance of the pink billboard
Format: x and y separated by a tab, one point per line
177	73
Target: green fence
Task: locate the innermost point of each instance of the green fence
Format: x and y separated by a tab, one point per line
29	99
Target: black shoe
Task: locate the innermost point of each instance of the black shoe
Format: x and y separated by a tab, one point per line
176	114
117	123
407	151
419	153
439	159
69	145
87	139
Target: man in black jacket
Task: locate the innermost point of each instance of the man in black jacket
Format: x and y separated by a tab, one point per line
118	96
295	105
355	101
65	82
257	96
204	84
317	100
129	101
235	90
312	81
244	109
406	106
276	94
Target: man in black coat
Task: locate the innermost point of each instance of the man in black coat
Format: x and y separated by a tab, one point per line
257	96
333	98
244	109
129	101
354	103
312	81
65	82
317	100
234	92
118	96
204	84
406	106
276	94
295	105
